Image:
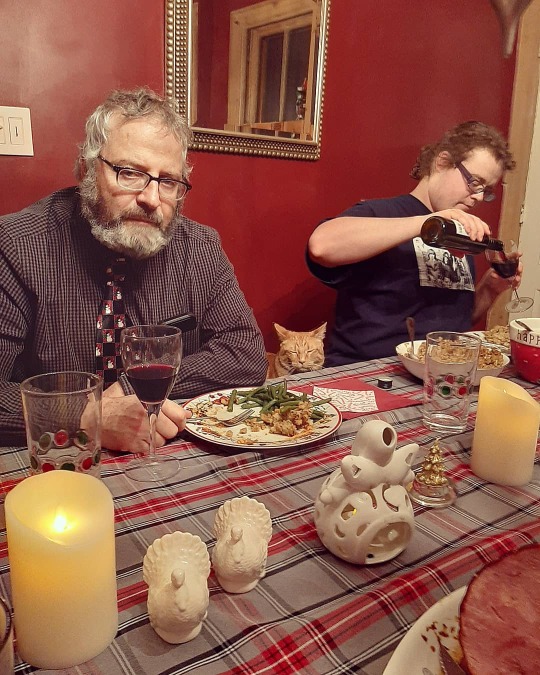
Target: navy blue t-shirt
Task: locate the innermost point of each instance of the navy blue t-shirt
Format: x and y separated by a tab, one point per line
375	296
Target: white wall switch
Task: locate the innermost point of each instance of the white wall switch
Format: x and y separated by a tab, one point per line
15	131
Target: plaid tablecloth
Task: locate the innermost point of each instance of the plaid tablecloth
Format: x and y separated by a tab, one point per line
312	613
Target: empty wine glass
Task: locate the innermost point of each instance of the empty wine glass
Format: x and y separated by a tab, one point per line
506	267
151	357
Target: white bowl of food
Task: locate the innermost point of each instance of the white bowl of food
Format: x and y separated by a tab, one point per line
488	356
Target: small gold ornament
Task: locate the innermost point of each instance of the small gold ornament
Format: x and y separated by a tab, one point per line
431	486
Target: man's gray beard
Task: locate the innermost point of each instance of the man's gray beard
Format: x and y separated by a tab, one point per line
137	241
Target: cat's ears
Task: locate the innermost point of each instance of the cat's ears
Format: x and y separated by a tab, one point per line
319	332
282	333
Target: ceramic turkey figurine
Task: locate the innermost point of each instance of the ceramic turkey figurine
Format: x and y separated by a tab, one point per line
176	569
363	513
243	528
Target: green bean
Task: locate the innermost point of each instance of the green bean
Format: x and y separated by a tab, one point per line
289	405
276	396
320	402
252	392
267	406
232	399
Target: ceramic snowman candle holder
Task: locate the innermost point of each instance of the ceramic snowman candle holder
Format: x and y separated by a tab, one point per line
363	513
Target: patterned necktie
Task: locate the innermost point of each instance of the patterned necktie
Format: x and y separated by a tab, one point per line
110	322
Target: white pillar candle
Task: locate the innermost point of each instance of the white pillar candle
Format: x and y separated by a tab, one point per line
60	531
505	433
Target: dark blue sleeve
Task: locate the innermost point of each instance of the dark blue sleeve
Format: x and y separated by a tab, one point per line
335	276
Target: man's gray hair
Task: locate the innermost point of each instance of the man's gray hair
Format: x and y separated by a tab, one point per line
131	105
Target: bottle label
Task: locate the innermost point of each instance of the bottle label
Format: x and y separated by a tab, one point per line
460	229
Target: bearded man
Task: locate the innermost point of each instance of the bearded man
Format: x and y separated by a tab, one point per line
60	254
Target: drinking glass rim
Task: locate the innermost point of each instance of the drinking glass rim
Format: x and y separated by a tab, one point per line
167	331
28	385
468	337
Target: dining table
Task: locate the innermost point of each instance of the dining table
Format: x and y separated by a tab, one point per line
312	612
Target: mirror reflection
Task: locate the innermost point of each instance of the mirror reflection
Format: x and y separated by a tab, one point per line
254	73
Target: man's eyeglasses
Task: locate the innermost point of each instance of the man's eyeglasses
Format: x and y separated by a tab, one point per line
137	181
476	186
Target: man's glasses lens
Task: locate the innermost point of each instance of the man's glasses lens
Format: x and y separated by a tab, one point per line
138	180
131	179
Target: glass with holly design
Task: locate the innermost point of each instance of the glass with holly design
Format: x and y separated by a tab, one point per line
451	361
62	413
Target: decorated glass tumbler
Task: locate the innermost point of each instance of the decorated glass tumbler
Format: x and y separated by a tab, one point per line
451	360
62	413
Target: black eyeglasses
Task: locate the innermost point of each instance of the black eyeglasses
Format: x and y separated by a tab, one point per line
137	181
476	186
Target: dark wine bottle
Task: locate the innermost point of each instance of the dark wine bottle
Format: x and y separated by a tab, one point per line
445	233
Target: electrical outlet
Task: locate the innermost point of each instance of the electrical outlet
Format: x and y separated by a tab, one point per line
15	131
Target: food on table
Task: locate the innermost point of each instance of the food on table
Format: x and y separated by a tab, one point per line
289	421
448	352
277	411
498	335
500	615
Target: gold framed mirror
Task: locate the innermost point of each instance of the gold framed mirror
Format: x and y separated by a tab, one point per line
250	80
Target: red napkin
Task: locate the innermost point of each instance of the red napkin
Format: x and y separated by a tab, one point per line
385	399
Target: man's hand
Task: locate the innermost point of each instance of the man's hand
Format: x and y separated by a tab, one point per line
125	422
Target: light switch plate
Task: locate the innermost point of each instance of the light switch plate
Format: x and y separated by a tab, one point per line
15	131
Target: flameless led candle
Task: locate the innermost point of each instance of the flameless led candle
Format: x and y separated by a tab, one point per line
505	433
60	531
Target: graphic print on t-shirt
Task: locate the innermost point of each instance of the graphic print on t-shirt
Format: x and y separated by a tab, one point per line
438	268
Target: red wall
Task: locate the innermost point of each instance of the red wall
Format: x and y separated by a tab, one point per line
398	74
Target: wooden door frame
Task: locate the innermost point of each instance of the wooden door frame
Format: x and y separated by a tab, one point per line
522	116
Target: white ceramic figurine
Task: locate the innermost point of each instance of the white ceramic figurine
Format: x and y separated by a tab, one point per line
363	513
243	528
176	569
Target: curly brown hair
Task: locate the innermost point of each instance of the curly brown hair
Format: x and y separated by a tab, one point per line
459	141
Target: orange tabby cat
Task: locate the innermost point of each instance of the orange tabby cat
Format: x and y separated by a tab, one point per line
298	352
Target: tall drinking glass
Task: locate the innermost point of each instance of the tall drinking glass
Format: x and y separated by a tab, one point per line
151	357
451	360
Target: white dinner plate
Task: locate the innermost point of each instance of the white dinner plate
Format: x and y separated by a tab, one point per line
240	436
420	646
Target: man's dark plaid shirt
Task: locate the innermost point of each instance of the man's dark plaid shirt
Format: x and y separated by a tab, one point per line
52	273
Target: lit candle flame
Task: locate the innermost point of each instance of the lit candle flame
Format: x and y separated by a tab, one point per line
60	522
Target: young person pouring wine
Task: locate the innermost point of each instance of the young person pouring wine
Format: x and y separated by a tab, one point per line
374	257
85	262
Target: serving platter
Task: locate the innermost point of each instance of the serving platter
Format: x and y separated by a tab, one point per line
212	408
420	646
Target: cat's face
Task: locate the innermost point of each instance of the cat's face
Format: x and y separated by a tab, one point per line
301	352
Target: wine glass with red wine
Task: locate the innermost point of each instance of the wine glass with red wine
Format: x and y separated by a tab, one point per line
506	267
151	357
